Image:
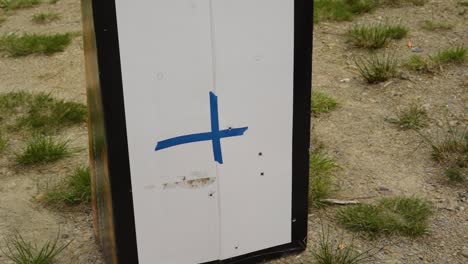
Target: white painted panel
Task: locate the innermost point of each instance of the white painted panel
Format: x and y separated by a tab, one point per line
167	75
254	41
168	48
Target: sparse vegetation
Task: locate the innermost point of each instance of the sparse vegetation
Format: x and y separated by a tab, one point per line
450	55
375	36
417	63
377	68
412	117
26	44
322	103
74	190
18	4
45	17
39	112
341	10
399	215
3	143
435	25
451	151
2	20
320	178
41	150
338	251
398	3
20	251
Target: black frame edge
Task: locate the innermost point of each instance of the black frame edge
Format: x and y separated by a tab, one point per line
302	117
107	43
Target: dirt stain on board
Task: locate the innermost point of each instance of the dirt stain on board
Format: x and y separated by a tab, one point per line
190	183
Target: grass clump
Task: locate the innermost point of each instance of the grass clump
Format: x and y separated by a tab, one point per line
451	151
338	251
435	25
18	4
45	17
21	251
322	103
417	63
76	189
26	44
341	10
398	3
454	55
321	172
41	150
450	55
377	68
375	36
413	117
3	143
40	112
399	215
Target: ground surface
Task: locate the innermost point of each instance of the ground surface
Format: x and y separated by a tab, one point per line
376	158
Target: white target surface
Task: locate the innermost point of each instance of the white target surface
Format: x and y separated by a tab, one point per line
208	91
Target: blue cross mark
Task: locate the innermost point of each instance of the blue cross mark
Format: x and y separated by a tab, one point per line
215	135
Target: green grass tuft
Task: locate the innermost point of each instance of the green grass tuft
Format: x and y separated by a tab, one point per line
76	189
320	177
417	63
26	44
341	10
377	68
457	174
413	117
20	251
18	4
322	103
41	150
450	55
451	151
435	25
45	17
375	36
3	143
399	215
338	251
399	3
40	112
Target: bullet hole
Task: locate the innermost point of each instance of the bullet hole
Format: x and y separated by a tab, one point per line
262	174
260	154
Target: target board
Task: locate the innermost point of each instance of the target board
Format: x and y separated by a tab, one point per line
199	128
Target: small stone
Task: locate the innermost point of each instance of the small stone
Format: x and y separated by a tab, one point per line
453	123
417	50
65	236
345	80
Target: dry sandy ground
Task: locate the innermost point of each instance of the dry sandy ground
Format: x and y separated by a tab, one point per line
373	154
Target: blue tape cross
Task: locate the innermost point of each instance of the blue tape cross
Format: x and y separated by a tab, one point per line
215	135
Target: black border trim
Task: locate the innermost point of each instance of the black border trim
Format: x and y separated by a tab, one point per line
105	23
110	74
